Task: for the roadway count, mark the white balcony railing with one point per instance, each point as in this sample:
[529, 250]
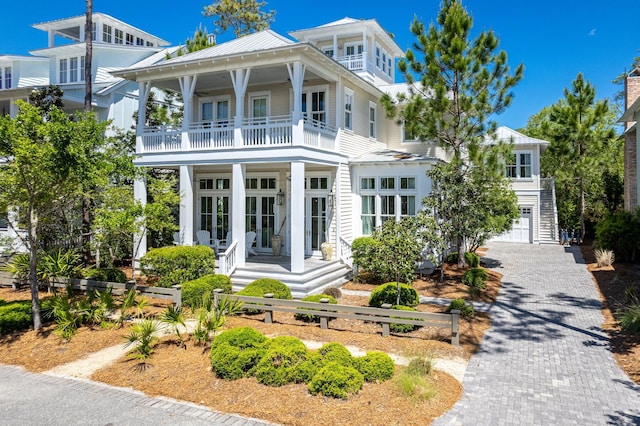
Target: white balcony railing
[262, 132]
[356, 63]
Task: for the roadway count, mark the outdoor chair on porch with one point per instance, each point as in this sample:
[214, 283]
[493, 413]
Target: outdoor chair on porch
[222, 245]
[176, 238]
[204, 237]
[249, 239]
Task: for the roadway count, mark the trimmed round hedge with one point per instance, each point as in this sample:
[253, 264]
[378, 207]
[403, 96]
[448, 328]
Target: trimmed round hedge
[336, 380]
[174, 265]
[192, 291]
[461, 305]
[280, 364]
[375, 366]
[15, 316]
[235, 353]
[475, 277]
[262, 286]
[388, 293]
[313, 298]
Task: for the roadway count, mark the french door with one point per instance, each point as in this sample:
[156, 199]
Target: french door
[261, 218]
[315, 223]
[214, 215]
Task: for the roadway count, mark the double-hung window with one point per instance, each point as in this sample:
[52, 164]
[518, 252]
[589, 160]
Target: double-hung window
[107, 31]
[119, 36]
[129, 39]
[386, 198]
[368, 196]
[372, 120]
[348, 109]
[5, 78]
[519, 165]
[73, 69]
[63, 70]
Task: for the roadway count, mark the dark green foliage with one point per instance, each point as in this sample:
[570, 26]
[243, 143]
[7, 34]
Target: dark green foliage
[375, 366]
[178, 264]
[192, 291]
[262, 286]
[452, 258]
[461, 305]
[388, 293]
[113, 275]
[279, 365]
[336, 381]
[15, 316]
[475, 277]
[314, 298]
[236, 352]
[365, 255]
[472, 259]
[620, 232]
[402, 328]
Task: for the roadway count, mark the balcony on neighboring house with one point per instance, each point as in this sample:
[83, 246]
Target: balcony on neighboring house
[264, 132]
[357, 62]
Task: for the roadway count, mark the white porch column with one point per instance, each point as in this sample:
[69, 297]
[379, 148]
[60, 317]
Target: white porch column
[365, 49]
[187, 87]
[140, 238]
[296, 75]
[238, 206]
[52, 37]
[240, 80]
[144, 87]
[335, 46]
[337, 208]
[186, 205]
[13, 108]
[296, 214]
[81, 33]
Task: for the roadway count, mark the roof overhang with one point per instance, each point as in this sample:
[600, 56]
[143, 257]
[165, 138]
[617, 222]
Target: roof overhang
[629, 114]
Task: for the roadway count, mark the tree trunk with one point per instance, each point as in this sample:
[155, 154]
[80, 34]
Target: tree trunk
[33, 269]
[582, 207]
[461, 250]
[86, 202]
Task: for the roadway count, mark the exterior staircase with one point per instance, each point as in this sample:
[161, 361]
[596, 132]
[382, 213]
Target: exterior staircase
[548, 228]
[316, 277]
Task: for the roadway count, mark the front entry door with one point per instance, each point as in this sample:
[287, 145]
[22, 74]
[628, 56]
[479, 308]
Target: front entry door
[315, 223]
[261, 218]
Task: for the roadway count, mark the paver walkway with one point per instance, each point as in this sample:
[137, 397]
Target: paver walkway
[39, 399]
[545, 360]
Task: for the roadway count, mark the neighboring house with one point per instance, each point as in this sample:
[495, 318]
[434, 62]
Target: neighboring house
[631, 142]
[289, 137]
[116, 45]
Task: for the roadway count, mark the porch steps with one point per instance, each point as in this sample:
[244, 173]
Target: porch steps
[312, 281]
[548, 231]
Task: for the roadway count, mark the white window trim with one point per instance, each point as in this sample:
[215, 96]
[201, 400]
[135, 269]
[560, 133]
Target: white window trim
[81, 71]
[355, 45]
[348, 92]
[396, 193]
[308, 90]
[518, 165]
[214, 100]
[258, 95]
[374, 107]
[3, 77]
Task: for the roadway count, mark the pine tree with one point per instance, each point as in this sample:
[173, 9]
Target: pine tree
[241, 16]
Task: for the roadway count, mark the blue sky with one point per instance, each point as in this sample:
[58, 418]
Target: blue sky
[554, 39]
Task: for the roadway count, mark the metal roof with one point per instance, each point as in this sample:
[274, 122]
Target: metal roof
[391, 156]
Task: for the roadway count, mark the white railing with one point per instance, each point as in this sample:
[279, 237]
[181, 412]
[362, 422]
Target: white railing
[319, 134]
[210, 135]
[161, 138]
[352, 62]
[345, 253]
[267, 131]
[228, 260]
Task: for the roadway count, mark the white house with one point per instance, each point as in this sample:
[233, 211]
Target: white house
[116, 45]
[289, 137]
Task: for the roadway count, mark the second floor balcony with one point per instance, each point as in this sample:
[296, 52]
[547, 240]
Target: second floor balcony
[263, 132]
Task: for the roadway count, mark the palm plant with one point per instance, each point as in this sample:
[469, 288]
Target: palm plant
[212, 316]
[128, 302]
[59, 264]
[174, 318]
[143, 335]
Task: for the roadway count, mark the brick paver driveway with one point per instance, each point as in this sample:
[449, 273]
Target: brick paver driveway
[545, 360]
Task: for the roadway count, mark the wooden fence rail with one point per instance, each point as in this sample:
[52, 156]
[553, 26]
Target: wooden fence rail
[326, 311]
[173, 293]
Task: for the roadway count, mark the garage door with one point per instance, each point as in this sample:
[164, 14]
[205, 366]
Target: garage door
[521, 230]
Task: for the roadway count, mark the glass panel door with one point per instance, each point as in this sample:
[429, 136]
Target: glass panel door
[315, 223]
[267, 222]
[206, 213]
[206, 111]
[222, 217]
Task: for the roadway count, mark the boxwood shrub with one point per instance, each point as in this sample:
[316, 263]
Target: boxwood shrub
[279, 365]
[375, 366]
[235, 353]
[192, 291]
[461, 305]
[403, 328]
[388, 293]
[313, 298]
[15, 316]
[472, 259]
[262, 286]
[475, 277]
[177, 264]
[336, 380]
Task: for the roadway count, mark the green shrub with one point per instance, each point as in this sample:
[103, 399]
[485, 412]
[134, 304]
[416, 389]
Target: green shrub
[415, 380]
[629, 318]
[388, 293]
[336, 352]
[461, 305]
[452, 258]
[279, 365]
[403, 328]
[336, 381]
[472, 259]
[620, 232]
[262, 286]
[313, 298]
[192, 291]
[15, 316]
[365, 255]
[235, 353]
[375, 366]
[113, 275]
[178, 264]
[475, 277]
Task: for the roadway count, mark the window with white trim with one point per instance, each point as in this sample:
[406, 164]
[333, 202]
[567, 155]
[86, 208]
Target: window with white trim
[372, 120]
[348, 109]
[384, 198]
[130, 39]
[353, 49]
[317, 108]
[119, 36]
[94, 31]
[378, 53]
[519, 165]
[5, 78]
[368, 214]
[139, 41]
[389, 66]
[107, 32]
[63, 71]
[71, 70]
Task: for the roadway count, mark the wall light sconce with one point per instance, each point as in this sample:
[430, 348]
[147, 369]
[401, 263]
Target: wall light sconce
[280, 197]
[332, 199]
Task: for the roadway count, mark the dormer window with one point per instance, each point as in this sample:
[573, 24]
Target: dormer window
[129, 39]
[5, 78]
[119, 39]
[107, 31]
[354, 49]
[71, 70]
[139, 41]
